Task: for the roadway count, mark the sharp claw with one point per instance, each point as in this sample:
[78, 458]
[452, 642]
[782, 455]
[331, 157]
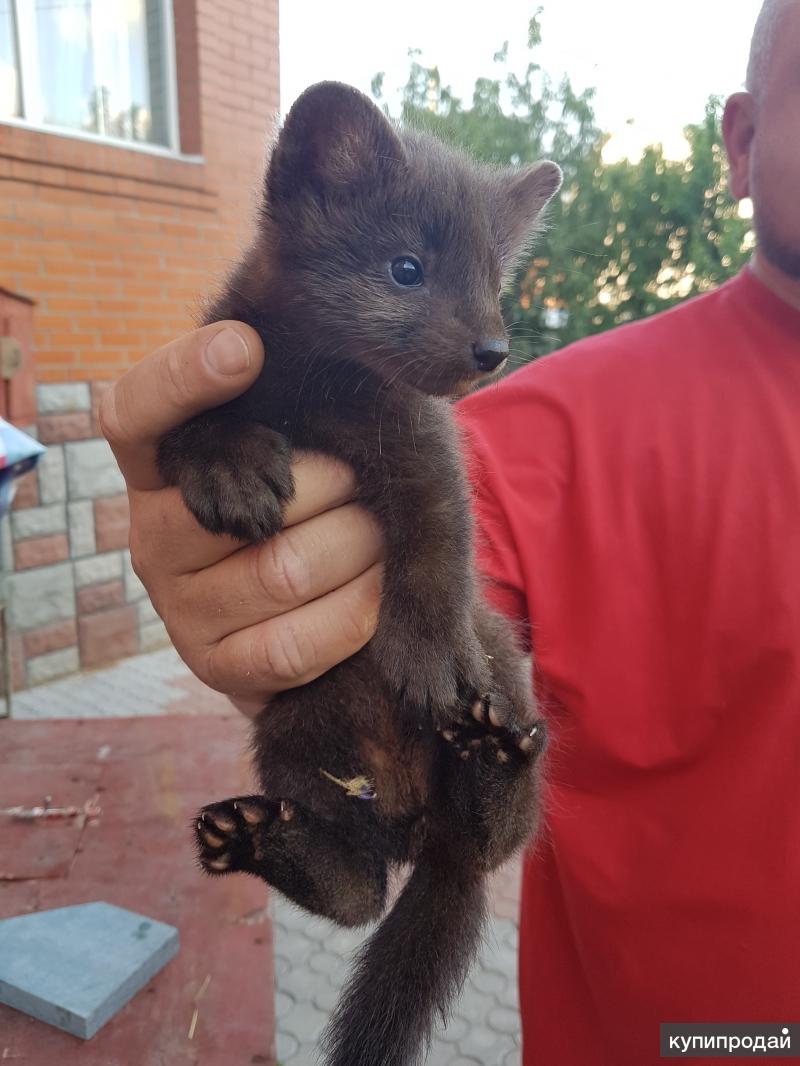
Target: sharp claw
[220, 822]
[528, 742]
[210, 839]
[250, 814]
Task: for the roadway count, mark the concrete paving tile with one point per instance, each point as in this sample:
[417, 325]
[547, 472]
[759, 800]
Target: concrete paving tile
[283, 1003]
[489, 982]
[305, 1056]
[441, 1054]
[297, 948]
[304, 1022]
[456, 1029]
[292, 918]
[504, 1020]
[440, 1051]
[325, 997]
[286, 1046]
[501, 959]
[301, 985]
[508, 934]
[485, 1045]
[473, 1004]
[343, 941]
[328, 965]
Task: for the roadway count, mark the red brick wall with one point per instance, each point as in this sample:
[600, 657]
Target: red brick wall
[116, 246]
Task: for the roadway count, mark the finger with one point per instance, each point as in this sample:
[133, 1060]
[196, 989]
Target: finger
[321, 482]
[167, 539]
[294, 648]
[303, 563]
[198, 371]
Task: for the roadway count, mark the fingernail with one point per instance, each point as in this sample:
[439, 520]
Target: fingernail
[227, 352]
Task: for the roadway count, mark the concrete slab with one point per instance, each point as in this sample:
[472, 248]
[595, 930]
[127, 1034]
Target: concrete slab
[211, 1006]
[74, 967]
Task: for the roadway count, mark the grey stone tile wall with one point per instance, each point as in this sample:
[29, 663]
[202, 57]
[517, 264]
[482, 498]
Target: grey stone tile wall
[98, 568]
[92, 470]
[39, 521]
[51, 475]
[63, 398]
[52, 535]
[80, 515]
[41, 596]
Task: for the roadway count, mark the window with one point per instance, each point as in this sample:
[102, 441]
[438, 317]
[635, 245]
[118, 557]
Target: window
[101, 67]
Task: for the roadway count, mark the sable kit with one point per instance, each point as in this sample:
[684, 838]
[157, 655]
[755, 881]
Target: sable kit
[374, 279]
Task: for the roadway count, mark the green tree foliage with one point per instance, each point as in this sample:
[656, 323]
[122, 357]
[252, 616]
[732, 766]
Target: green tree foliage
[625, 239]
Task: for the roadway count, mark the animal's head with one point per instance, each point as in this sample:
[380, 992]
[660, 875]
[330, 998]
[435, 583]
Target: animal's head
[394, 246]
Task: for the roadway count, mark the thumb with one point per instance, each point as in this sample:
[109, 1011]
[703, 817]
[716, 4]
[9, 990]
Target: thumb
[192, 374]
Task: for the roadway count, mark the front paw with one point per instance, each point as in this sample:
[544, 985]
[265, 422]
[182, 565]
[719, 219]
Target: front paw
[439, 676]
[234, 478]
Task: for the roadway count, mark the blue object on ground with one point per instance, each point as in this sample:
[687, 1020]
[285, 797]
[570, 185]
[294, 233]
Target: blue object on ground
[76, 966]
[19, 453]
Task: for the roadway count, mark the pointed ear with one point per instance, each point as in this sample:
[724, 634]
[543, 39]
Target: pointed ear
[334, 137]
[521, 198]
[738, 130]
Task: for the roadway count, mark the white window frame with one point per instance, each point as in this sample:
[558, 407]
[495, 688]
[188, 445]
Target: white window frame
[23, 13]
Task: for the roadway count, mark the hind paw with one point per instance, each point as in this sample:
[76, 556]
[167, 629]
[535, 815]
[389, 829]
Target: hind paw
[482, 731]
[231, 835]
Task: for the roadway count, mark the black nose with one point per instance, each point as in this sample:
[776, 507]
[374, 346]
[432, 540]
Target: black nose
[490, 354]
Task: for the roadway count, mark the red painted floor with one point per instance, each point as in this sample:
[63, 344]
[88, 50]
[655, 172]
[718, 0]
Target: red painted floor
[150, 775]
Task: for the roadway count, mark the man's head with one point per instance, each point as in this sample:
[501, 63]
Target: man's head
[762, 135]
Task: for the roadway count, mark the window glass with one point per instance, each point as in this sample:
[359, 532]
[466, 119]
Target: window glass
[98, 66]
[64, 64]
[10, 102]
[129, 70]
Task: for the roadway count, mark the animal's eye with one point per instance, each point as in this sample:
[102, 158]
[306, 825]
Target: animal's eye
[407, 271]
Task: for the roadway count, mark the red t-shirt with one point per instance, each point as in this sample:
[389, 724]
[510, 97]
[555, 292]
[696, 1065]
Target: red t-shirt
[638, 499]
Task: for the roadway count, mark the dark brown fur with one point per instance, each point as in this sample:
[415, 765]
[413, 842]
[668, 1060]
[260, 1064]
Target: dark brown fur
[436, 712]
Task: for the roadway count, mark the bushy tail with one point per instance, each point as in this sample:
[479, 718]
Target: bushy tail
[409, 969]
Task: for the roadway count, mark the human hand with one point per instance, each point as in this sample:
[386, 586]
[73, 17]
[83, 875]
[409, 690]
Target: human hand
[249, 620]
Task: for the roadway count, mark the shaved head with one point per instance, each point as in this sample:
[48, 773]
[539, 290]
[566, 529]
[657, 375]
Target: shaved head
[765, 37]
[761, 135]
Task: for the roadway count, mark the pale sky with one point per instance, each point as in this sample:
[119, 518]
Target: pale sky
[652, 61]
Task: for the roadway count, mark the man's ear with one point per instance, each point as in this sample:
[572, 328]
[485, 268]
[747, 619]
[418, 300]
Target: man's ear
[520, 200]
[334, 138]
[738, 127]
